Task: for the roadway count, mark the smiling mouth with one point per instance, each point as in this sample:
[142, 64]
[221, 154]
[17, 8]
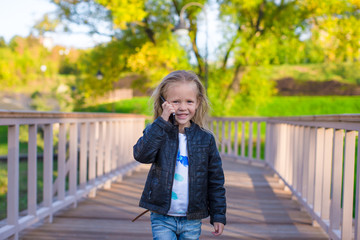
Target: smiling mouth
[181, 116]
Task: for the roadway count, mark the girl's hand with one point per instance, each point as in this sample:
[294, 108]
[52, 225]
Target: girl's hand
[168, 109]
[219, 228]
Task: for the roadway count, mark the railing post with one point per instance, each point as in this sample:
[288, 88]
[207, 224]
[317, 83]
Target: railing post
[328, 146]
[73, 161]
[61, 162]
[306, 142]
[267, 143]
[357, 207]
[250, 143]
[13, 177]
[349, 163]
[301, 160]
[92, 157]
[290, 154]
[83, 154]
[48, 168]
[319, 170]
[122, 142]
[223, 137]
[114, 146]
[100, 150]
[311, 169]
[295, 158]
[242, 139]
[236, 138]
[217, 131]
[275, 145]
[229, 148]
[282, 149]
[107, 162]
[32, 170]
[258, 141]
[337, 169]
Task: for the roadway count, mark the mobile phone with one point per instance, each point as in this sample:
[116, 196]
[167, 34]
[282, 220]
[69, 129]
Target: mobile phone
[172, 116]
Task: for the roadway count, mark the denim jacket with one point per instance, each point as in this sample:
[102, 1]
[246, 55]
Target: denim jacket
[159, 146]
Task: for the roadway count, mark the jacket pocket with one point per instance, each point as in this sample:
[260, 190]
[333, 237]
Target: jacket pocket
[157, 193]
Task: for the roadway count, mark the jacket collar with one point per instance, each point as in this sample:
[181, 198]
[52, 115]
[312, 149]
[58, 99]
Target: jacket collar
[191, 128]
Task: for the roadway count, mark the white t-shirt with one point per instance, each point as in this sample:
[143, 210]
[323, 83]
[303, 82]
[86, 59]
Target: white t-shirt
[180, 189]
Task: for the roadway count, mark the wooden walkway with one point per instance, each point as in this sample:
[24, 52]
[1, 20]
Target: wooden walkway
[258, 208]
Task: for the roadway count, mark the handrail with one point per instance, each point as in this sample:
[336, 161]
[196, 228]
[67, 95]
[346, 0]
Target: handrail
[99, 151]
[313, 155]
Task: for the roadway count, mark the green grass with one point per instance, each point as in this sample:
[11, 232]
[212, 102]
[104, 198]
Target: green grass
[342, 72]
[22, 186]
[23, 140]
[306, 105]
[138, 105]
[3, 140]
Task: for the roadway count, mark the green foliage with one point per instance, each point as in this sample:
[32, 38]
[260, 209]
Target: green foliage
[126, 11]
[249, 89]
[272, 32]
[255, 90]
[156, 61]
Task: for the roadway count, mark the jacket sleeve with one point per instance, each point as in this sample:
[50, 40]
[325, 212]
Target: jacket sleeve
[153, 138]
[216, 190]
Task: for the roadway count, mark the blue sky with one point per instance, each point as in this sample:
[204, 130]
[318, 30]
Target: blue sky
[18, 16]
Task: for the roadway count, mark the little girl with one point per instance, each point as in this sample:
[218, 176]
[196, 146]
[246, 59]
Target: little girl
[186, 180]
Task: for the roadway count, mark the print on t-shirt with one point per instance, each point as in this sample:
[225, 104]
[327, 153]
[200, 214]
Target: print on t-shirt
[180, 194]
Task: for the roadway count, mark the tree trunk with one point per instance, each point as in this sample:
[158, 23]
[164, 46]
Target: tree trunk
[235, 83]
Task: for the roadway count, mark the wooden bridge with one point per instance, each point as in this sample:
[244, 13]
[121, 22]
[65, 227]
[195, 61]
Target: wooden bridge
[286, 178]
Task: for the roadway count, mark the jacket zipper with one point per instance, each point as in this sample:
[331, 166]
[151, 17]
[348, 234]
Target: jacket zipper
[189, 179]
[173, 174]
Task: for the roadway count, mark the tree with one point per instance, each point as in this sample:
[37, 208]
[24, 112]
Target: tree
[256, 33]
[142, 29]
[267, 32]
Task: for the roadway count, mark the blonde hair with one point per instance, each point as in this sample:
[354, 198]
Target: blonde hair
[201, 114]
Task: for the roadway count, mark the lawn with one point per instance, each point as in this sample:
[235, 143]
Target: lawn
[310, 105]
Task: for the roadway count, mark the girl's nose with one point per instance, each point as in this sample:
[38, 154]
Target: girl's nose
[182, 106]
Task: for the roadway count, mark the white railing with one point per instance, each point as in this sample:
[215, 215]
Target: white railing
[240, 138]
[314, 156]
[92, 151]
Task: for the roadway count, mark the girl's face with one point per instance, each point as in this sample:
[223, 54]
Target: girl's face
[183, 97]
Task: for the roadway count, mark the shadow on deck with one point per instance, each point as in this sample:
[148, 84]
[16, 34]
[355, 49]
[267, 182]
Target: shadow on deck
[258, 208]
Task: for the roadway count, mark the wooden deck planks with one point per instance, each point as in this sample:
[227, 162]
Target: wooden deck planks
[258, 208]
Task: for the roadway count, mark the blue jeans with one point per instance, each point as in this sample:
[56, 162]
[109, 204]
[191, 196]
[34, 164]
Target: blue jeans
[174, 228]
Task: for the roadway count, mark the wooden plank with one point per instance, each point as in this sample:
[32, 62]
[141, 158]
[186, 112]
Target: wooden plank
[258, 208]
